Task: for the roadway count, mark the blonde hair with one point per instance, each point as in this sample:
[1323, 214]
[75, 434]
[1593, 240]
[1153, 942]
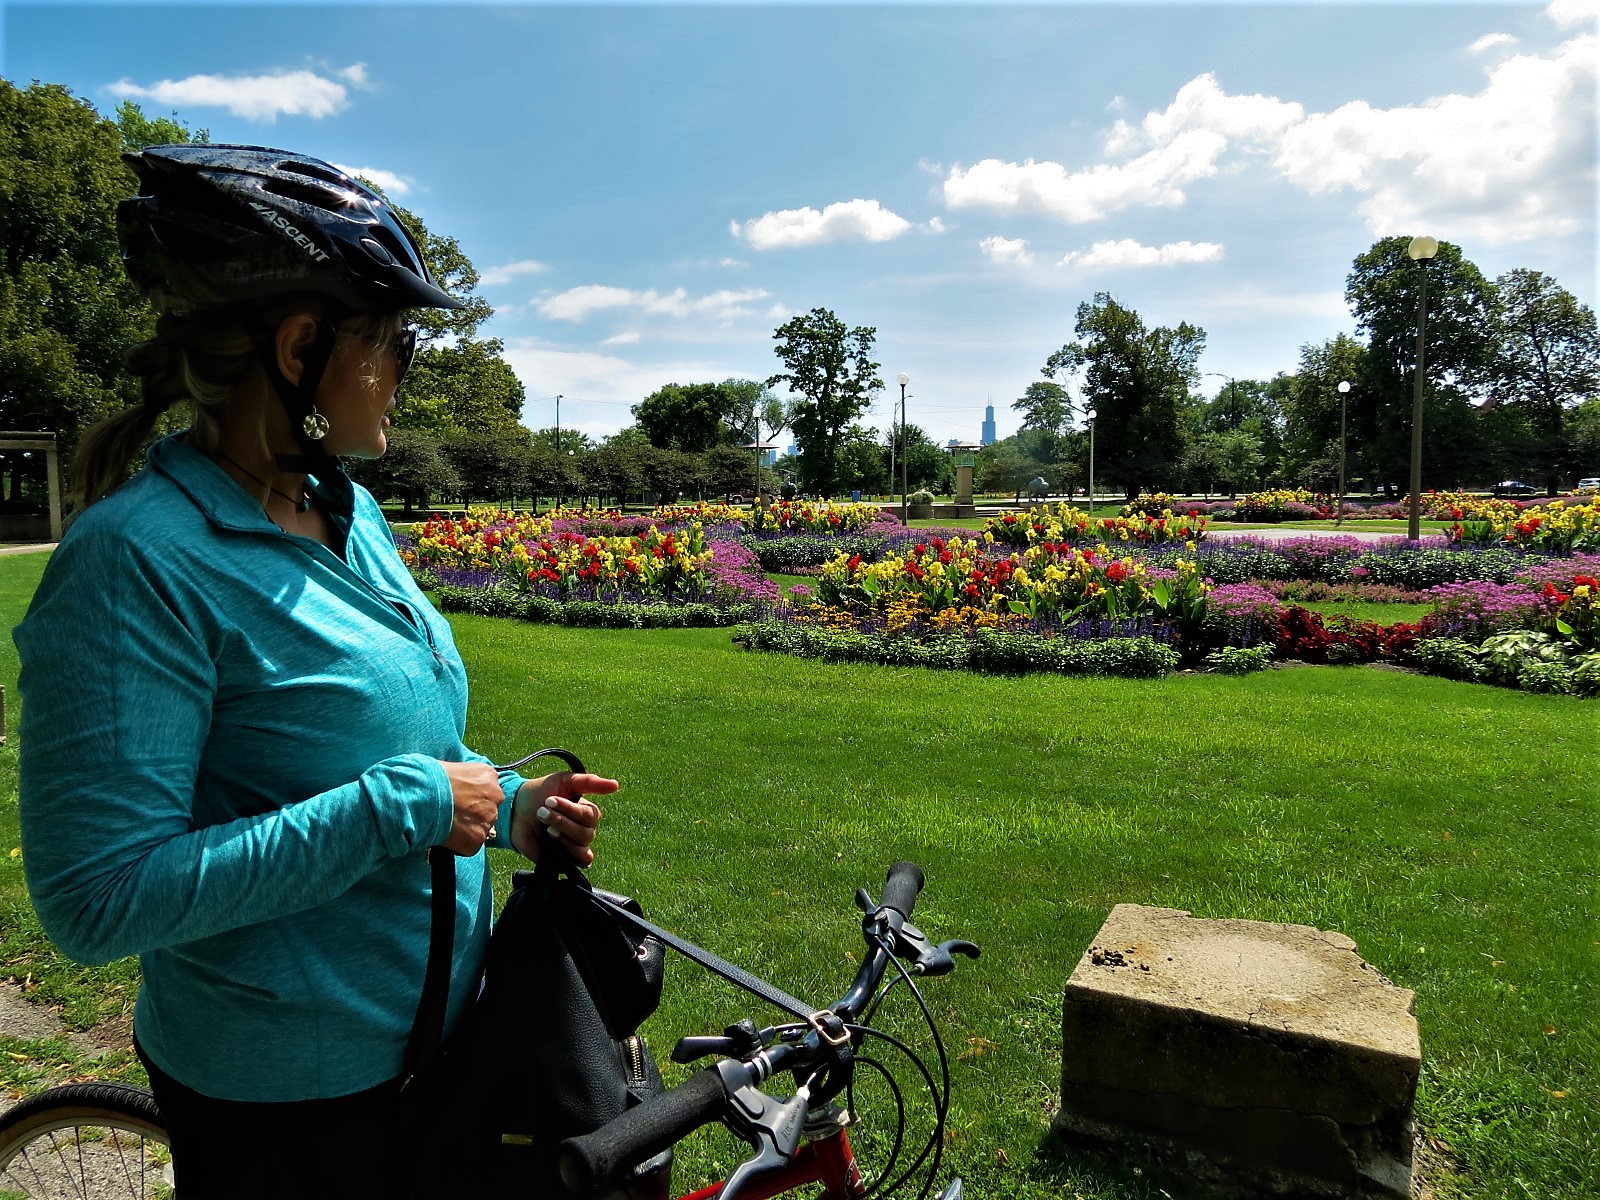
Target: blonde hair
[199, 361]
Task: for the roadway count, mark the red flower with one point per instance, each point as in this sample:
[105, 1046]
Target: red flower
[1116, 572]
[855, 561]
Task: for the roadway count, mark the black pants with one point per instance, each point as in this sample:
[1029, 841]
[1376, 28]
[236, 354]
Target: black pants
[346, 1148]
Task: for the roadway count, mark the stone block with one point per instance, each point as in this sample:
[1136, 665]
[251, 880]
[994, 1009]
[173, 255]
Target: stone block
[1264, 1059]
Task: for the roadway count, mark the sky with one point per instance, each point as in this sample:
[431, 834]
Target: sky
[650, 190]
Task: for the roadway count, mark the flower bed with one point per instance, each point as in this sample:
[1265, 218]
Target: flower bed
[1063, 523]
[1016, 599]
[542, 568]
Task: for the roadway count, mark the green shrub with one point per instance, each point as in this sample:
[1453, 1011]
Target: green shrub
[1550, 677]
[1450, 657]
[1239, 660]
[988, 650]
[591, 614]
[788, 555]
[1586, 674]
[1505, 654]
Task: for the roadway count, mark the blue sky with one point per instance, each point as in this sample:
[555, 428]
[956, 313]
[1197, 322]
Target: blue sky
[651, 190]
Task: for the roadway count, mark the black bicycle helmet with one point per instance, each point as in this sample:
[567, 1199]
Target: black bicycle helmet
[214, 226]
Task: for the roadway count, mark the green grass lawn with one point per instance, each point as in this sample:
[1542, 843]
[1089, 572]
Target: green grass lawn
[1450, 829]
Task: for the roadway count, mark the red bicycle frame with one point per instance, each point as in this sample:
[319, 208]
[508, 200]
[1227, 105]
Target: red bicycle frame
[829, 1161]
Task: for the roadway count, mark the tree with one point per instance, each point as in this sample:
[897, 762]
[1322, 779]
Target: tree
[464, 387]
[830, 367]
[490, 465]
[1137, 380]
[67, 308]
[618, 465]
[413, 467]
[1046, 408]
[139, 131]
[1383, 290]
[688, 417]
[1583, 438]
[1549, 359]
[1311, 407]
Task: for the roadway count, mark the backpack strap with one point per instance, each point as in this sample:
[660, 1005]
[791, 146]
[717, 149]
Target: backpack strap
[427, 1029]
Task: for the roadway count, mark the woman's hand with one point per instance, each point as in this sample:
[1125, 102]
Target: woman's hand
[556, 802]
[475, 789]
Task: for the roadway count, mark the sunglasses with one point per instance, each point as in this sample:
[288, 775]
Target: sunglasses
[404, 345]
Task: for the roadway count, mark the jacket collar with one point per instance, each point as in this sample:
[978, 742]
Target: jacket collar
[223, 501]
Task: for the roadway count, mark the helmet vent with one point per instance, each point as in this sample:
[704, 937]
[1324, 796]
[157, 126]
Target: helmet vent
[317, 171]
[400, 254]
[314, 193]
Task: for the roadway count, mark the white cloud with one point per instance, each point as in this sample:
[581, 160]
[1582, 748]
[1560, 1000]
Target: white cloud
[1569, 14]
[392, 184]
[1006, 250]
[934, 225]
[628, 337]
[252, 97]
[1201, 104]
[506, 272]
[597, 390]
[1489, 41]
[578, 303]
[1126, 252]
[864, 220]
[1511, 163]
[355, 74]
[1154, 179]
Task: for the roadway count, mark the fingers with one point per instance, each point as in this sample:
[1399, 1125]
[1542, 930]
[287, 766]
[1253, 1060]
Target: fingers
[476, 795]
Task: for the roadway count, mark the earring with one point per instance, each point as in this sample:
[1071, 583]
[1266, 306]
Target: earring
[315, 425]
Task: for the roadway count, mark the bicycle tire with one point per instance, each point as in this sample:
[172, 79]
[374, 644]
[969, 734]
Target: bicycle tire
[88, 1141]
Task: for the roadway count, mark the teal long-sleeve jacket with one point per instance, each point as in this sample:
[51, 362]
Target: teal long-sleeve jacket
[230, 766]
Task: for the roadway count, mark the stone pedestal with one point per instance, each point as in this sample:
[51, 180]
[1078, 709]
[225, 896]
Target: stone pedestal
[1264, 1059]
[964, 483]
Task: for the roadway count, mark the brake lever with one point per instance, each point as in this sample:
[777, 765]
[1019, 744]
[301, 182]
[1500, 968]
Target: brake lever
[771, 1128]
[925, 957]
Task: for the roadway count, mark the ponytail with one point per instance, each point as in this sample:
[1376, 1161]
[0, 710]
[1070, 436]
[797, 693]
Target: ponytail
[198, 361]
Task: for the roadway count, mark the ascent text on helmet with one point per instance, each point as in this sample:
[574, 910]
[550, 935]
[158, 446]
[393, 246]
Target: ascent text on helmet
[279, 221]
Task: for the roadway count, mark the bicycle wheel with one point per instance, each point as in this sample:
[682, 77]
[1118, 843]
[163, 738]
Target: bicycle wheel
[87, 1141]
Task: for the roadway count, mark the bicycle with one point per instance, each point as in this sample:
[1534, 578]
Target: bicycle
[107, 1140]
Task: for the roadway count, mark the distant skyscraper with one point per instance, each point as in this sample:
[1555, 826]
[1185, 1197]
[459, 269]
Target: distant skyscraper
[988, 438]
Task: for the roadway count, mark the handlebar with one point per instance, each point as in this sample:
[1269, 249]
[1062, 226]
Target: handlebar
[588, 1162]
[730, 1090]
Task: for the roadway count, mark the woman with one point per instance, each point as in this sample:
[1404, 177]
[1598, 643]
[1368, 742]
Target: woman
[242, 724]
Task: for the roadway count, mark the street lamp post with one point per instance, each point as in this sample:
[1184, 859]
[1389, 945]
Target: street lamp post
[905, 510]
[1344, 396]
[1421, 250]
[1089, 416]
[558, 424]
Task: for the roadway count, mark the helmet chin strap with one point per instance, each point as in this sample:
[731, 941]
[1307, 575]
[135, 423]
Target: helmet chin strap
[299, 399]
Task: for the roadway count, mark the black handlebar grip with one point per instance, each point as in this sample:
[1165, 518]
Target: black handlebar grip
[901, 887]
[592, 1160]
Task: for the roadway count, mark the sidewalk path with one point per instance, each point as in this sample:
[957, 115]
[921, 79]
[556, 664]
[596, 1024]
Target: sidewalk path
[29, 548]
[1284, 533]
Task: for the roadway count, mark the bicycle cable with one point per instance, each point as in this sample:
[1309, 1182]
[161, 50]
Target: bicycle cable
[932, 1144]
[893, 1158]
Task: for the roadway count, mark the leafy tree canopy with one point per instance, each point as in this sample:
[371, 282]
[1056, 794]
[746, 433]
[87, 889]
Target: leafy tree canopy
[1137, 380]
[830, 369]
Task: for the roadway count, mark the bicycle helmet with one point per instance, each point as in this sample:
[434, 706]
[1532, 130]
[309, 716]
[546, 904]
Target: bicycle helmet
[216, 225]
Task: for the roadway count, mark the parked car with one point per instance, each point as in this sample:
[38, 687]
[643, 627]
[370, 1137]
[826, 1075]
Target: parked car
[1515, 487]
[1591, 484]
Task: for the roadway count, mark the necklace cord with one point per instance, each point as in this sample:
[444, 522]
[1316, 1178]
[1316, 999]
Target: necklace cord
[300, 505]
